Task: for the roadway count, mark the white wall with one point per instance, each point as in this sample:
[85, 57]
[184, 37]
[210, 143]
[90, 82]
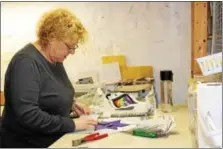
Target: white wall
[147, 33]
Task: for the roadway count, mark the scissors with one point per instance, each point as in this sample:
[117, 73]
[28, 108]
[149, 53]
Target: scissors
[91, 137]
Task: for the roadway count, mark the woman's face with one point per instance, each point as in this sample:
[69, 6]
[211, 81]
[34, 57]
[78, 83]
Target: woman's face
[61, 49]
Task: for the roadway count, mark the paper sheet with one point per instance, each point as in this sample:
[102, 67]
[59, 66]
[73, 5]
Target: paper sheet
[110, 73]
[210, 64]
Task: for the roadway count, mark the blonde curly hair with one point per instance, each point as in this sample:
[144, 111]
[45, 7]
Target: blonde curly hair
[59, 24]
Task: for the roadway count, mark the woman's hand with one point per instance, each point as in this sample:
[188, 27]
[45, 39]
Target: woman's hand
[83, 123]
[81, 109]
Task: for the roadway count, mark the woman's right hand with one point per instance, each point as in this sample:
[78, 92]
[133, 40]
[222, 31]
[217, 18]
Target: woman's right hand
[83, 123]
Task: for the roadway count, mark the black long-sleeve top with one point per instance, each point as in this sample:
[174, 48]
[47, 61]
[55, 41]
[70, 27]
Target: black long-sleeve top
[38, 101]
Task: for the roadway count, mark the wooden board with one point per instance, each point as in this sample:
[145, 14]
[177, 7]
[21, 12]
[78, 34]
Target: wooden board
[199, 34]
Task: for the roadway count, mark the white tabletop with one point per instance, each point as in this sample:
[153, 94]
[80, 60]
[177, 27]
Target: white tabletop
[180, 137]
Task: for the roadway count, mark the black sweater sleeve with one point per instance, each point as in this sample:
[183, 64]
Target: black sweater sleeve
[25, 80]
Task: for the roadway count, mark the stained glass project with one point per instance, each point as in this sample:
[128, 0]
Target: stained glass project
[123, 101]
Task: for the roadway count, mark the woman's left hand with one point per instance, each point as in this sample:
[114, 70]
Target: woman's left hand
[81, 109]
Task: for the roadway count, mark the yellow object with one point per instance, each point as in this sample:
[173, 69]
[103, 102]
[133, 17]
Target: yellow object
[111, 59]
[135, 72]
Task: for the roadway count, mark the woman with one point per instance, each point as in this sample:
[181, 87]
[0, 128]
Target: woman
[38, 92]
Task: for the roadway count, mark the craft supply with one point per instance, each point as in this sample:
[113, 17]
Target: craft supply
[126, 129]
[120, 100]
[119, 114]
[110, 125]
[129, 114]
[144, 133]
[91, 137]
[126, 108]
[161, 125]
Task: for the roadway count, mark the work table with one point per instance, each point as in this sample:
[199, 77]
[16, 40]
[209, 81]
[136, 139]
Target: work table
[179, 138]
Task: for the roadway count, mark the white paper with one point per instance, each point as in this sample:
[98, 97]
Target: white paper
[210, 64]
[110, 73]
[162, 124]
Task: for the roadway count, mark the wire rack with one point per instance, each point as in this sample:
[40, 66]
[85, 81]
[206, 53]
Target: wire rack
[217, 27]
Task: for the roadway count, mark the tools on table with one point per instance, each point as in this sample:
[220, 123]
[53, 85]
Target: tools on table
[110, 125]
[144, 133]
[91, 137]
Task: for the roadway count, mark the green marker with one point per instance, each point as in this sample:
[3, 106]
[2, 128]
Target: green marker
[144, 133]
